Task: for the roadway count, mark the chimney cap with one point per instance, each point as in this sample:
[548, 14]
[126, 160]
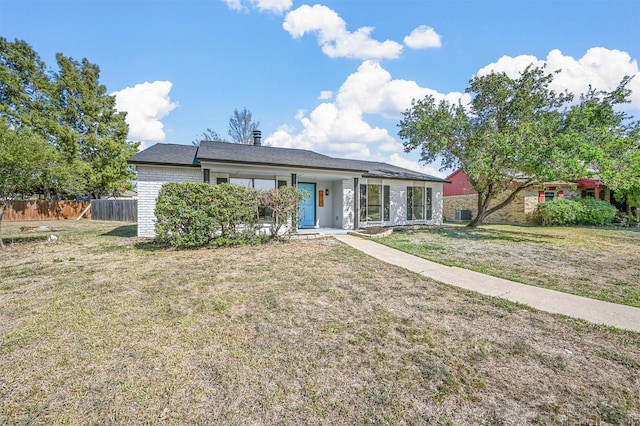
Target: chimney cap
[257, 137]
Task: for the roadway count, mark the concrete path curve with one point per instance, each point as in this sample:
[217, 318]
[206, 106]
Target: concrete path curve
[596, 311]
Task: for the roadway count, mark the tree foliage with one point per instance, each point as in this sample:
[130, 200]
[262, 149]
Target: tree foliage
[514, 134]
[609, 139]
[72, 112]
[283, 203]
[22, 170]
[208, 135]
[241, 126]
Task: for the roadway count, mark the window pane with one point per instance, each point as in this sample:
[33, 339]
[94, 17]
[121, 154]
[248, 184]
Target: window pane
[374, 196]
[418, 203]
[363, 202]
[263, 184]
[242, 182]
[374, 213]
[374, 202]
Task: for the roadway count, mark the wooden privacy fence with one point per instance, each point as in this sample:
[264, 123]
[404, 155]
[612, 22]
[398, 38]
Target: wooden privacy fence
[121, 210]
[21, 210]
[118, 210]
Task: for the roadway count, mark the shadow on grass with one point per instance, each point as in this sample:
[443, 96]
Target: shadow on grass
[480, 234]
[33, 238]
[153, 245]
[126, 231]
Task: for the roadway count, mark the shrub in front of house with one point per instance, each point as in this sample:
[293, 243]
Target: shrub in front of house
[282, 204]
[199, 214]
[595, 212]
[586, 211]
[559, 212]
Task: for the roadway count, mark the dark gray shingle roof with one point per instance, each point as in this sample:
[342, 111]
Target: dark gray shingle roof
[225, 152]
[389, 171]
[170, 154]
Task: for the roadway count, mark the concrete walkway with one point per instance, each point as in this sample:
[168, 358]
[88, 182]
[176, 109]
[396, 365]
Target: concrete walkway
[596, 311]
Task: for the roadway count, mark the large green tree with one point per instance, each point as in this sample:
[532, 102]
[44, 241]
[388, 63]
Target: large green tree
[241, 126]
[27, 161]
[514, 134]
[609, 140]
[25, 87]
[72, 111]
[90, 130]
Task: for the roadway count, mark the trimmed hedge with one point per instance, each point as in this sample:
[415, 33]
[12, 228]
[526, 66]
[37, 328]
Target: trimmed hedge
[199, 214]
[586, 211]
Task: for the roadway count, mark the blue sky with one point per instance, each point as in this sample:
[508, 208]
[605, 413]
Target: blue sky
[332, 76]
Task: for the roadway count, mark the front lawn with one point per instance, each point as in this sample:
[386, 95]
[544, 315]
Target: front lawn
[600, 263]
[101, 327]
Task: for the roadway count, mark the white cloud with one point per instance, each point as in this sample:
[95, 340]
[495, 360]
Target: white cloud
[333, 37]
[399, 161]
[146, 104]
[423, 37]
[373, 88]
[340, 128]
[601, 68]
[274, 6]
[325, 94]
[235, 5]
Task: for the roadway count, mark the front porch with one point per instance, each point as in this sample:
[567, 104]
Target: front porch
[321, 231]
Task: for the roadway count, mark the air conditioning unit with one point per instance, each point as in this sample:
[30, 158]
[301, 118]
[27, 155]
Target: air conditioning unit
[463, 214]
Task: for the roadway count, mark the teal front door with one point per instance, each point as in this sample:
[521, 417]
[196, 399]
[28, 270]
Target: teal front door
[307, 207]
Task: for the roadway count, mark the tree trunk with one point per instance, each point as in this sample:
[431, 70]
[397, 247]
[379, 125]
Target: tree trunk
[483, 204]
[3, 207]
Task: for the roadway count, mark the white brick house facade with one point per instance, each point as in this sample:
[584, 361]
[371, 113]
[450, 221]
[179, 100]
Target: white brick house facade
[346, 194]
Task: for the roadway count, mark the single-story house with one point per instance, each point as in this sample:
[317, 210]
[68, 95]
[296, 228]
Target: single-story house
[461, 200]
[345, 194]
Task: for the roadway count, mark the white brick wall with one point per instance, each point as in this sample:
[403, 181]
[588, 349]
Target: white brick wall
[150, 179]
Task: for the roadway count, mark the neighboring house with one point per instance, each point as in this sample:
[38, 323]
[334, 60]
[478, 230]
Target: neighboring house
[461, 200]
[380, 193]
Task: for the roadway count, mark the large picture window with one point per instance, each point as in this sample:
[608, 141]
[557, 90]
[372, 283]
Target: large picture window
[419, 203]
[261, 184]
[374, 203]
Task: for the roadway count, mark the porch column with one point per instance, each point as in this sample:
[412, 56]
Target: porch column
[294, 183]
[356, 210]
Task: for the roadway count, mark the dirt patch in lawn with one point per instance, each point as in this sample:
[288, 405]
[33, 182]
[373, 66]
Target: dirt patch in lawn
[100, 327]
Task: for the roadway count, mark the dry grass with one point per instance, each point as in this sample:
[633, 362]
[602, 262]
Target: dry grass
[102, 328]
[600, 263]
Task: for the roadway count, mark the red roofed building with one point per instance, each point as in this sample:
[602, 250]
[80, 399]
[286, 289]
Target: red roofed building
[461, 200]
